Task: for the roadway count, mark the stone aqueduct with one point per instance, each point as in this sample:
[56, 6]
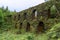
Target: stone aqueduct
[37, 18]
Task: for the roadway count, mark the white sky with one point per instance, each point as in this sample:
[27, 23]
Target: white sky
[19, 5]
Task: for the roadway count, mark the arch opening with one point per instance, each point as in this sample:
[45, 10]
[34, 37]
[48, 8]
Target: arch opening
[25, 16]
[28, 27]
[20, 26]
[14, 17]
[40, 27]
[18, 17]
[34, 14]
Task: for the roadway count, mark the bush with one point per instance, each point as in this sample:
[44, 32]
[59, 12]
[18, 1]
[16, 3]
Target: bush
[53, 11]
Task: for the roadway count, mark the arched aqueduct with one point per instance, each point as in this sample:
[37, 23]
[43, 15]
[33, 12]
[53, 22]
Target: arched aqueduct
[37, 18]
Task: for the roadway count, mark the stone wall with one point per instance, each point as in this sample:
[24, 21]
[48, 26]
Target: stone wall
[30, 19]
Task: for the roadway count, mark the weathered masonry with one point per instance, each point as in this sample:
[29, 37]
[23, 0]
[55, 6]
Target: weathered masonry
[37, 18]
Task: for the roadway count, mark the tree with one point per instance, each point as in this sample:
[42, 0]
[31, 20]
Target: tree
[1, 18]
[53, 11]
[7, 8]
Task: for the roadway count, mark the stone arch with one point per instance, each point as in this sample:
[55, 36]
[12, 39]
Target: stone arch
[20, 26]
[34, 13]
[40, 27]
[34, 10]
[25, 15]
[16, 25]
[14, 17]
[28, 27]
[19, 17]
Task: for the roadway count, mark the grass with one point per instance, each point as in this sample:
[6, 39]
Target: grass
[26, 36]
[50, 35]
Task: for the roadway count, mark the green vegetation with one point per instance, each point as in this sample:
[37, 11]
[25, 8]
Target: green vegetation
[10, 23]
[52, 34]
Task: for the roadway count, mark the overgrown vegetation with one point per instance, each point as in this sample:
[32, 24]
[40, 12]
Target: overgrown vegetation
[13, 25]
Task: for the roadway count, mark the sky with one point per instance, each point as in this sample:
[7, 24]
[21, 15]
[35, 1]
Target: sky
[19, 5]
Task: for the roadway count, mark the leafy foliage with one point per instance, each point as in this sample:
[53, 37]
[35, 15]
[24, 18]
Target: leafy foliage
[7, 23]
[53, 11]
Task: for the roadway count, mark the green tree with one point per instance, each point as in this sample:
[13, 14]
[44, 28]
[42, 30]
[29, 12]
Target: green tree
[53, 11]
[1, 17]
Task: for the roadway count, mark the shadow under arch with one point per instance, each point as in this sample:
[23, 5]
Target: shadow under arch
[25, 15]
[20, 26]
[19, 17]
[40, 27]
[34, 10]
[28, 27]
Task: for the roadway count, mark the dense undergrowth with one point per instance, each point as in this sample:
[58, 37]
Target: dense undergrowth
[52, 34]
[9, 32]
